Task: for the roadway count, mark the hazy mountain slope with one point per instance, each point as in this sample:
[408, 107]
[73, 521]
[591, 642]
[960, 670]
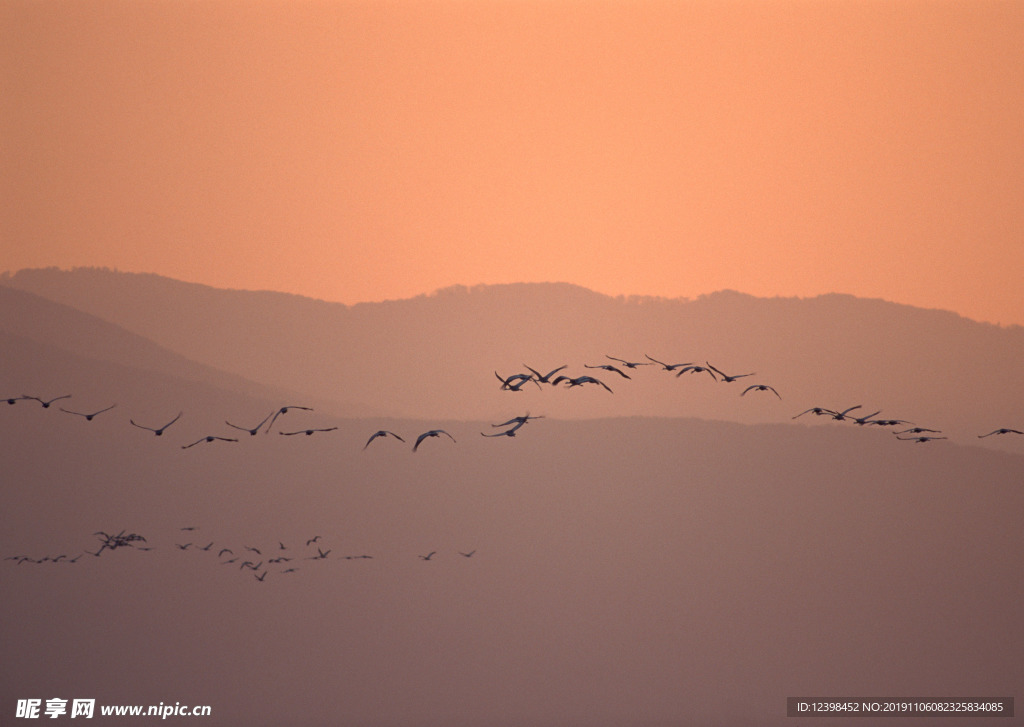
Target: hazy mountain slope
[687, 557]
[435, 355]
[64, 335]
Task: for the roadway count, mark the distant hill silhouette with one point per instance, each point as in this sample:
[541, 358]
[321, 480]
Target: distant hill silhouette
[50, 344]
[435, 355]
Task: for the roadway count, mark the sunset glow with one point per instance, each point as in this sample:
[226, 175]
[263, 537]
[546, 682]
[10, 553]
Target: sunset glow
[364, 151]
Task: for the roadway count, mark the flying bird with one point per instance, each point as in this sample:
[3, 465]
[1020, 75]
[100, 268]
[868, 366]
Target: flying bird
[14, 399]
[918, 430]
[840, 416]
[160, 431]
[520, 380]
[312, 540]
[761, 387]
[519, 420]
[428, 556]
[727, 378]
[919, 439]
[608, 367]
[431, 433]
[668, 367]
[381, 433]
[284, 410]
[866, 419]
[816, 410]
[88, 417]
[209, 438]
[579, 381]
[46, 404]
[467, 555]
[1000, 431]
[546, 378]
[254, 429]
[629, 364]
[308, 432]
[695, 369]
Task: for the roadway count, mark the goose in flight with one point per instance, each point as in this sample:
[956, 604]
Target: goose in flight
[840, 416]
[507, 433]
[88, 417]
[284, 410]
[519, 420]
[428, 556]
[431, 433]
[919, 439]
[629, 364]
[694, 369]
[46, 404]
[729, 379]
[762, 387]
[209, 438]
[816, 410]
[579, 381]
[515, 382]
[669, 367]
[467, 555]
[312, 540]
[381, 433]
[308, 432]
[867, 419]
[608, 367]
[546, 378]
[254, 429]
[160, 431]
[1000, 431]
[888, 422]
[919, 430]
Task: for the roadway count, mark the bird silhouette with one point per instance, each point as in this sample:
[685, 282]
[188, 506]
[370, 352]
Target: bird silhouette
[1000, 431]
[255, 429]
[160, 431]
[515, 382]
[629, 364]
[579, 381]
[919, 439]
[608, 367]
[46, 404]
[381, 433]
[284, 410]
[546, 378]
[88, 417]
[209, 438]
[467, 555]
[816, 410]
[312, 540]
[760, 387]
[519, 420]
[431, 433]
[668, 367]
[695, 369]
[727, 378]
[918, 430]
[428, 556]
[308, 432]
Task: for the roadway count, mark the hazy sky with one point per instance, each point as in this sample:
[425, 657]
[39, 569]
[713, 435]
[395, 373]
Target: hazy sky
[370, 150]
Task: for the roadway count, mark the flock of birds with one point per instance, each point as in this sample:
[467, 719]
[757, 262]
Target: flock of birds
[516, 383]
[259, 561]
[281, 559]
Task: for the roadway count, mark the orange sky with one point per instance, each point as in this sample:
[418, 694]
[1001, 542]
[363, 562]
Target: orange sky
[368, 150]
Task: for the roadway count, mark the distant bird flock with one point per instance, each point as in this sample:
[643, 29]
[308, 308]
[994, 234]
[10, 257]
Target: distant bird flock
[288, 559]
